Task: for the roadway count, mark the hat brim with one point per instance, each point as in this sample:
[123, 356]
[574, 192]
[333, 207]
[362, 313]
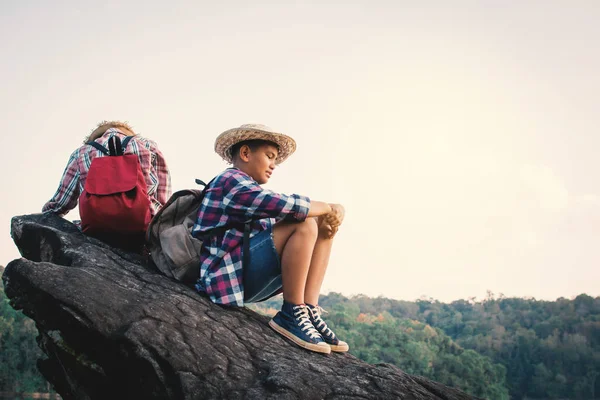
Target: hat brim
[225, 140]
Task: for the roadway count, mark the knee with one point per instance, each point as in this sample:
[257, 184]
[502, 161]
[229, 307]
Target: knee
[308, 228]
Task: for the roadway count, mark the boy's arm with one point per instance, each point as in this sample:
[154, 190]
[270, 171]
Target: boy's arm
[248, 200]
[65, 198]
[159, 165]
[318, 208]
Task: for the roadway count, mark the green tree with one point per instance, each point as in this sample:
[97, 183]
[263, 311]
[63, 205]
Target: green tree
[535, 341]
[18, 351]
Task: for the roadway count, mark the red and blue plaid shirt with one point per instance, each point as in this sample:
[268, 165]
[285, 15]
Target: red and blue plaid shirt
[154, 167]
[233, 198]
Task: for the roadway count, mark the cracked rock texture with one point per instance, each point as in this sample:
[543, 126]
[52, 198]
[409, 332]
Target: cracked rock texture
[112, 328]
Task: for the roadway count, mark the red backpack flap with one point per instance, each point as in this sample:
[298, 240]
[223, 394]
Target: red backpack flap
[115, 197]
[110, 175]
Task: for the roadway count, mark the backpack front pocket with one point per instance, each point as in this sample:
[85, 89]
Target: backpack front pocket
[182, 250]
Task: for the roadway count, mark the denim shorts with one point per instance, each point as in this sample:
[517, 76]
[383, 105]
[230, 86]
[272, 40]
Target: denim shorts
[262, 277]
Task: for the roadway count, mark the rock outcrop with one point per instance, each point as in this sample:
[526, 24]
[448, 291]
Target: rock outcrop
[112, 328]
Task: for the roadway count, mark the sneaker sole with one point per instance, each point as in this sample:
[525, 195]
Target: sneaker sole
[306, 345]
[339, 349]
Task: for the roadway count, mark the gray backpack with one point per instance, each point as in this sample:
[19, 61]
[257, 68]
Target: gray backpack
[171, 246]
[173, 249]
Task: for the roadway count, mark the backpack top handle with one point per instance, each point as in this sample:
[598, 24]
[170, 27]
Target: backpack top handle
[115, 145]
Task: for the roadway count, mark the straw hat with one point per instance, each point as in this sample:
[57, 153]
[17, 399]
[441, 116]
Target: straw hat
[225, 140]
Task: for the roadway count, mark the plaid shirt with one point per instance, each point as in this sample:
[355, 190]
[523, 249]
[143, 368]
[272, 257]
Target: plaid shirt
[232, 199]
[154, 168]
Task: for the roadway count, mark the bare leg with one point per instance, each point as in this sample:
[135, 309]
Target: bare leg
[304, 250]
[318, 266]
[295, 243]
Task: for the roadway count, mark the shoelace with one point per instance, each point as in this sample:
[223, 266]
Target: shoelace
[301, 315]
[321, 325]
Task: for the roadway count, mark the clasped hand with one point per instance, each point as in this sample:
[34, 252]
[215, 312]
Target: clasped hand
[330, 223]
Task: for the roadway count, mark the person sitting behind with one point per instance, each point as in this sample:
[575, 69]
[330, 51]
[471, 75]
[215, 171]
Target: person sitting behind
[151, 160]
[290, 241]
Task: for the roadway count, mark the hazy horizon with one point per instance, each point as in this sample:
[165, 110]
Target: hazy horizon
[461, 138]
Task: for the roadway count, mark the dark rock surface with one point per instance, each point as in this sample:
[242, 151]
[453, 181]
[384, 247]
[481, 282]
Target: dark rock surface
[114, 329]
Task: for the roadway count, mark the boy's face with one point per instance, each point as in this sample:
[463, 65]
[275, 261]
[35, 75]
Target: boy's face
[260, 162]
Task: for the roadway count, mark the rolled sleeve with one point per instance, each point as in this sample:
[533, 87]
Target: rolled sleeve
[248, 200]
[301, 207]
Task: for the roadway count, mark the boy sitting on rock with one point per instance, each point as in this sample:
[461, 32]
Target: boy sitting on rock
[290, 238]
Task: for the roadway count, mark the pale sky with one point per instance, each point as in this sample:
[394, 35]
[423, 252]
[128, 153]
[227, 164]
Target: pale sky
[461, 136]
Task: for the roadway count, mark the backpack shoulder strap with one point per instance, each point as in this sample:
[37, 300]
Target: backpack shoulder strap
[206, 185]
[98, 146]
[246, 245]
[126, 141]
[247, 228]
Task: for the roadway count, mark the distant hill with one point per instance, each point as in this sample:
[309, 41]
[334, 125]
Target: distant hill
[493, 348]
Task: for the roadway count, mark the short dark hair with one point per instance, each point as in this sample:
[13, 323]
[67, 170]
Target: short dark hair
[254, 144]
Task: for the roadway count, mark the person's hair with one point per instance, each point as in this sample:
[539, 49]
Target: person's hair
[103, 126]
[254, 144]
